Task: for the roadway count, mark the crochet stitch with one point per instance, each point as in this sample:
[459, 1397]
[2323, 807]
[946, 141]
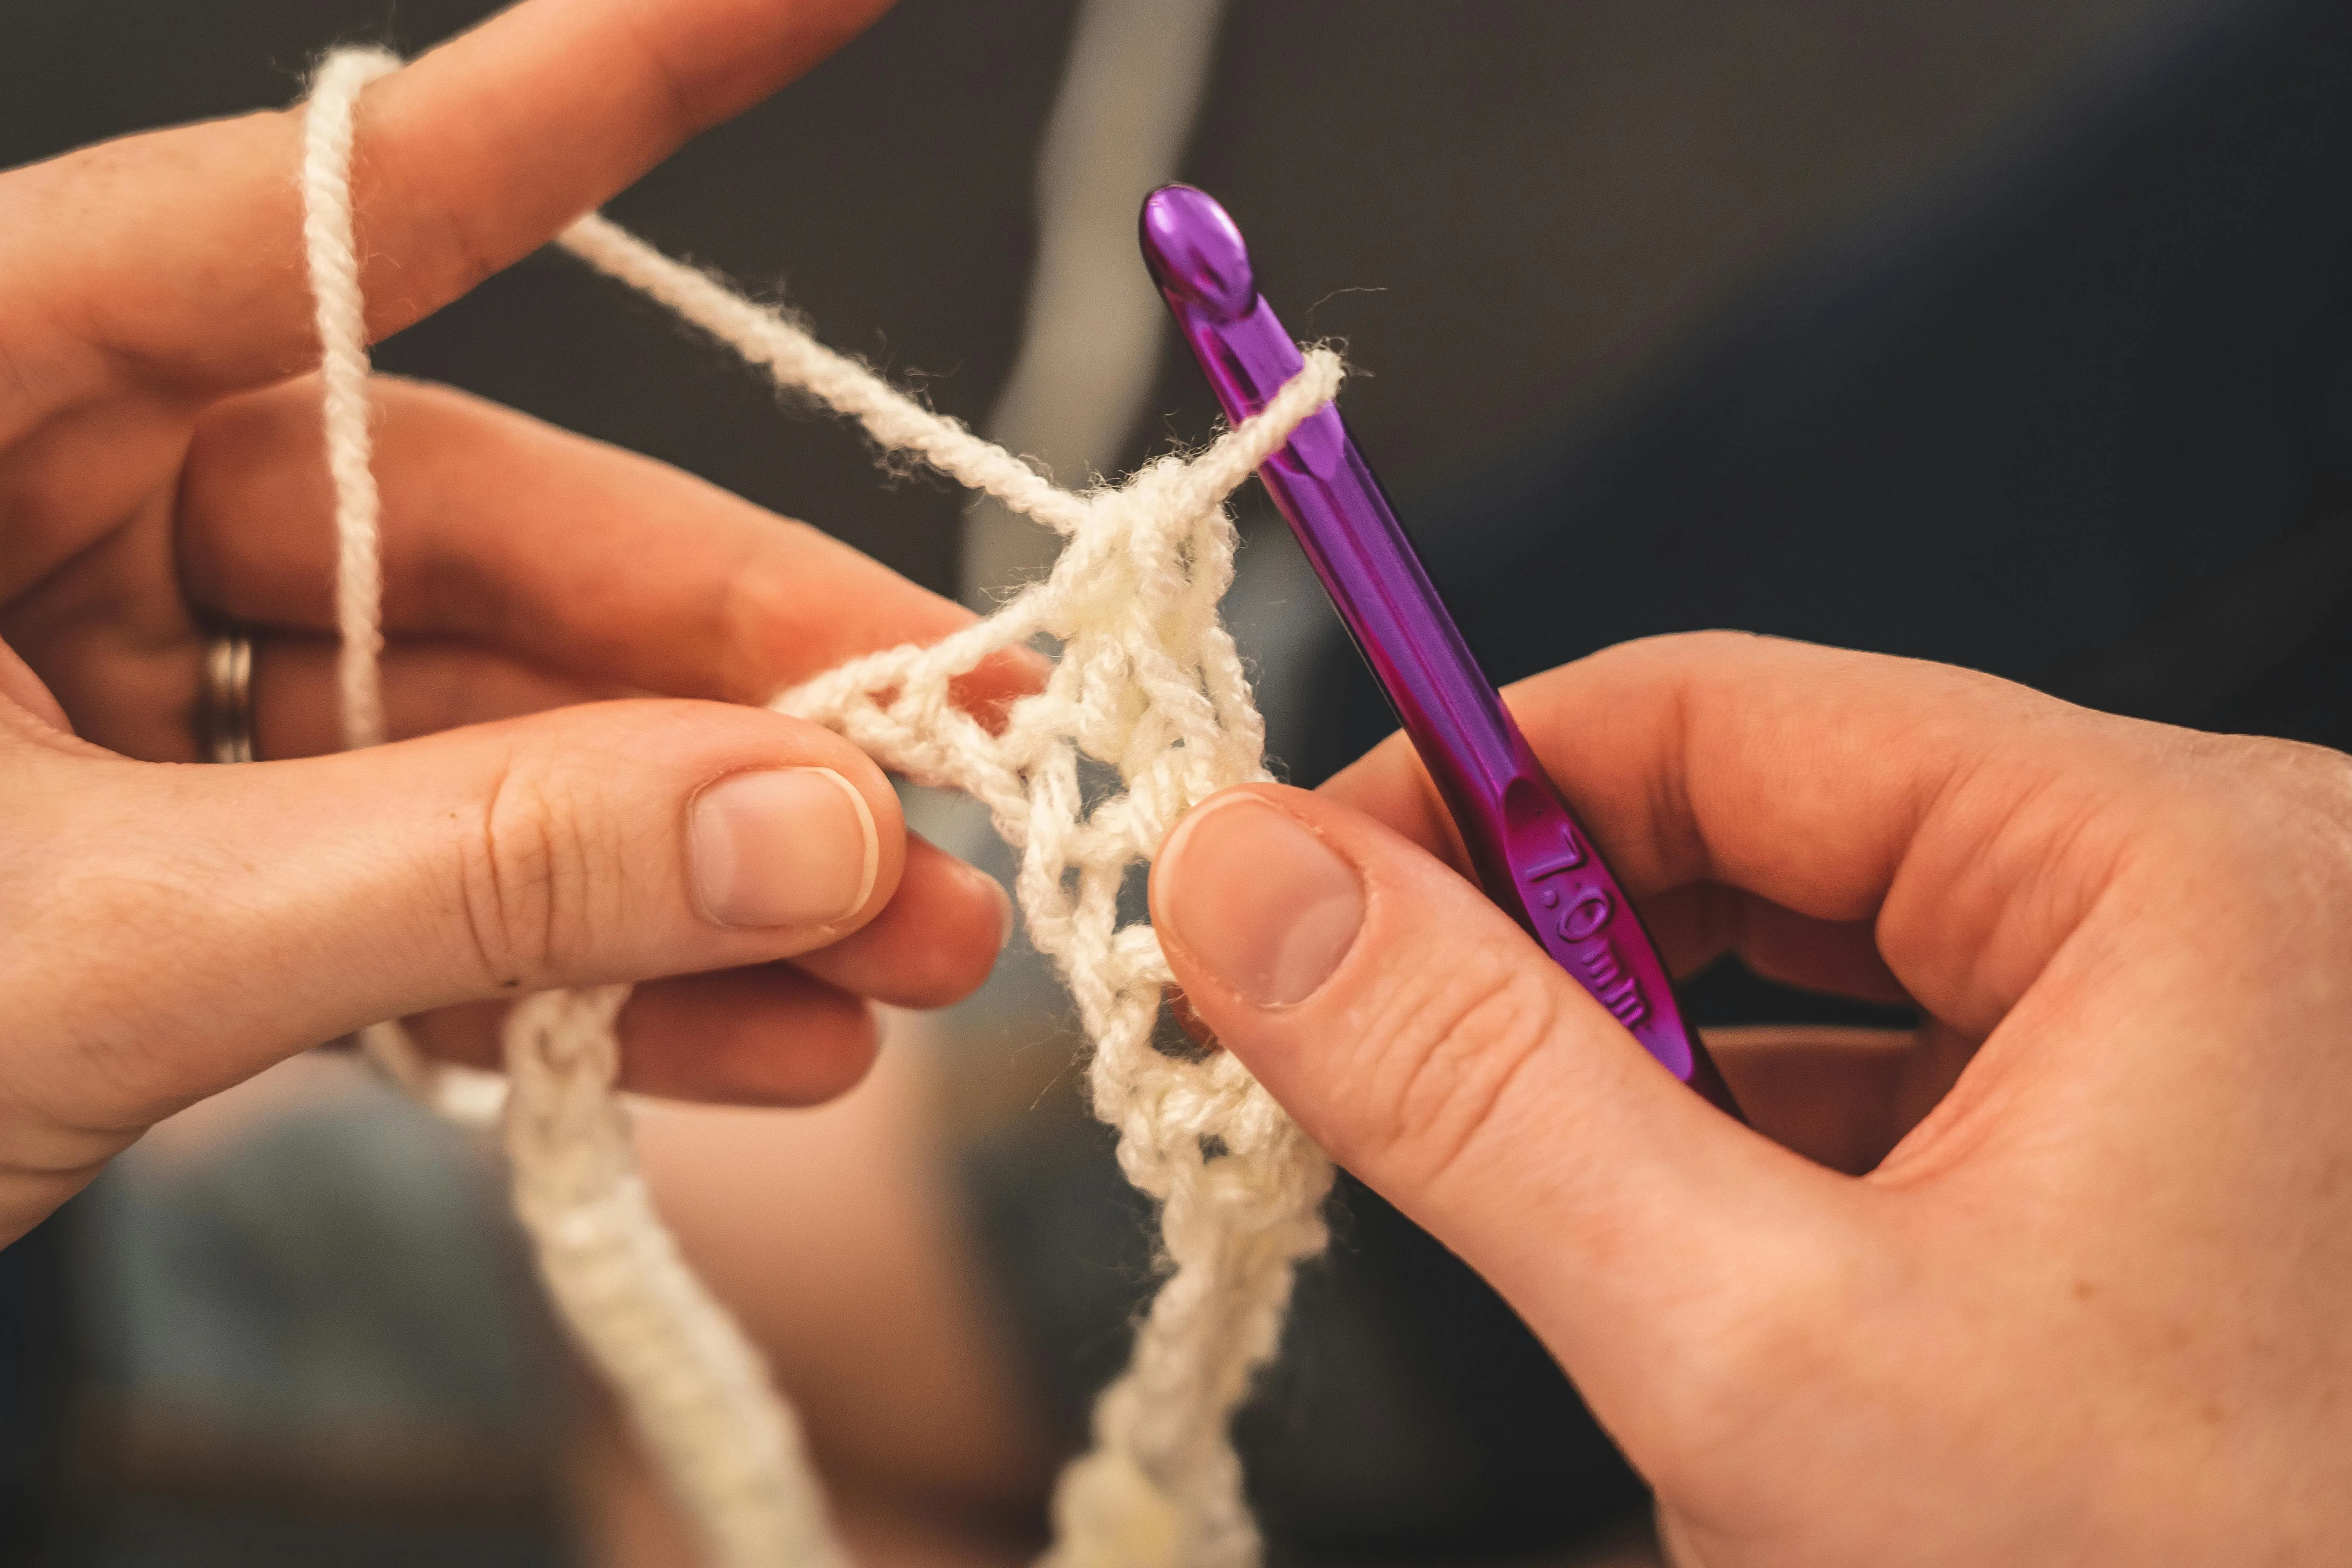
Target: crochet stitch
[1149, 688]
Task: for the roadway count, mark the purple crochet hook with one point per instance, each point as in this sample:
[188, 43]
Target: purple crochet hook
[1531, 857]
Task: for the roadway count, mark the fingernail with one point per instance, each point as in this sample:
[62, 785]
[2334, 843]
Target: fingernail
[995, 891]
[1264, 902]
[783, 846]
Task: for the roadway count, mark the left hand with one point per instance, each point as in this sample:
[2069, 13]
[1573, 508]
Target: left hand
[164, 931]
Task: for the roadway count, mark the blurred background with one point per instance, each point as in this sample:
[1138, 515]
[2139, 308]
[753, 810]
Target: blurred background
[2016, 334]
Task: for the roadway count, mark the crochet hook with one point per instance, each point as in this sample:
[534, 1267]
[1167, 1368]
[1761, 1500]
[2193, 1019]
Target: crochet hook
[1530, 854]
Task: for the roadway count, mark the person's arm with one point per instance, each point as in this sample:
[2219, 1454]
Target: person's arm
[2088, 1303]
[166, 931]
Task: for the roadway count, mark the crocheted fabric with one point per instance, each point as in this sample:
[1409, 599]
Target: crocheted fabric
[1148, 688]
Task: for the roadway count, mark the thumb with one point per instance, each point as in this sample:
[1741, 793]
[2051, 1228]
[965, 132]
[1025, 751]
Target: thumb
[195, 924]
[1435, 1052]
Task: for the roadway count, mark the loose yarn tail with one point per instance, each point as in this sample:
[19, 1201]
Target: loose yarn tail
[1148, 684]
[694, 1387]
[340, 311]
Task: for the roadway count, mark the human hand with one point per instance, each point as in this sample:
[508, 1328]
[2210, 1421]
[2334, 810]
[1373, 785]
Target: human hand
[2087, 1305]
[166, 931]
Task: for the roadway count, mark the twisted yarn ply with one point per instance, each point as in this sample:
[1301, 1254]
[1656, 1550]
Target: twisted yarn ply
[1149, 689]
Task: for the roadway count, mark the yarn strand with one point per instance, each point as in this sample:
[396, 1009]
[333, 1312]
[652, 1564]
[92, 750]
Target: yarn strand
[333, 253]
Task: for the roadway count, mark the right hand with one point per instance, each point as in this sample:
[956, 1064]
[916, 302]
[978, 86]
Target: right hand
[2089, 1302]
[166, 931]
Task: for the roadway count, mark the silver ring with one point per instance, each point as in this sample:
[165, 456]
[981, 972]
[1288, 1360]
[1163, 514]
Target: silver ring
[225, 708]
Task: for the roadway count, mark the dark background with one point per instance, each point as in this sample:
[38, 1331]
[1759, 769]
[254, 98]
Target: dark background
[1541, 203]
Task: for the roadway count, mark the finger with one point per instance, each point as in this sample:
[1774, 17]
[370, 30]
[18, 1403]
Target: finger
[427, 687]
[219, 919]
[1693, 923]
[1843, 1098]
[769, 1034]
[466, 161]
[1698, 923]
[1970, 822]
[509, 533]
[1436, 1053]
[151, 704]
[28, 693]
[787, 1034]
[932, 945]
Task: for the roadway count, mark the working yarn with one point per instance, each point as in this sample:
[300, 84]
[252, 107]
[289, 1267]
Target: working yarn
[1148, 686]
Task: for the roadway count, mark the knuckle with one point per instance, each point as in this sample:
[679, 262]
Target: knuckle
[1452, 1037]
[2245, 804]
[525, 886]
[687, 101]
[2317, 777]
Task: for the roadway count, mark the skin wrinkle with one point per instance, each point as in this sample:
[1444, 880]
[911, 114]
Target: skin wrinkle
[1997, 1095]
[19, 402]
[1690, 857]
[1463, 1043]
[1969, 988]
[41, 476]
[571, 923]
[1953, 1130]
[744, 605]
[686, 117]
[188, 159]
[460, 255]
[32, 399]
[1864, 896]
[484, 890]
[2052, 822]
[1610, 1235]
[100, 915]
[446, 249]
[1939, 807]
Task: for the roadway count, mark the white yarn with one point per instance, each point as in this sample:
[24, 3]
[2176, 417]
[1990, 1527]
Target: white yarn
[1092, 327]
[1147, 686]
[339, 312]
[694, 1386]
[341, 315]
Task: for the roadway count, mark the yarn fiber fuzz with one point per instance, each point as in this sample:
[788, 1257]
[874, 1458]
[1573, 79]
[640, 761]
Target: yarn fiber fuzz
[1149, 689]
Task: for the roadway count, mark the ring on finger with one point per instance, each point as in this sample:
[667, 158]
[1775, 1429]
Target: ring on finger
[225, 702]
